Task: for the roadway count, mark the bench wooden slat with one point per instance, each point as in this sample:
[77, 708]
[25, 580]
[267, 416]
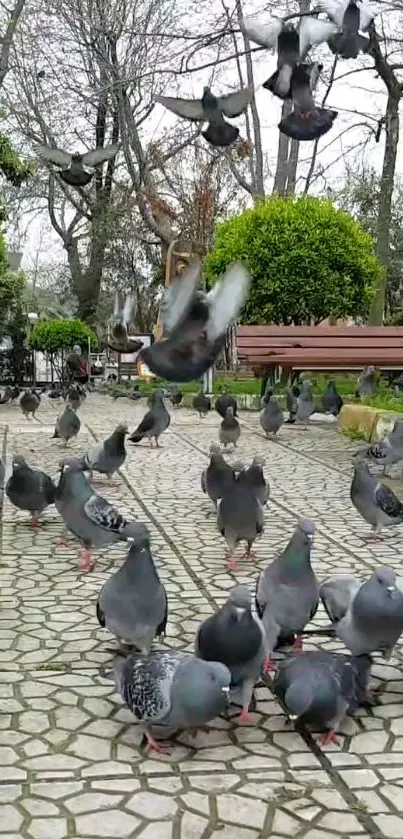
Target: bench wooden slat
[305, 355]
[325, 331]
[251, 343]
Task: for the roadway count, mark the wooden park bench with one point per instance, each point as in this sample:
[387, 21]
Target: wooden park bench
[297, 348]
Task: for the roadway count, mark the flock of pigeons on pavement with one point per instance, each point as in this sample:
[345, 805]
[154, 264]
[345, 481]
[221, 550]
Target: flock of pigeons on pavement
[170, 691]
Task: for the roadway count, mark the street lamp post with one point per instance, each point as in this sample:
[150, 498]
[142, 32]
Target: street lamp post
[33, 318]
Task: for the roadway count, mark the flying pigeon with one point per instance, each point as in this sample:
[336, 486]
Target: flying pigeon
[305, 403]
[236, 637]
[225, 400]
[29, 403]
[320, 688]
[107, 457]
[265, 34]
[202, 404]
[347, 15]
[287, 57]
[73, 165]
[367, 384]
[291, 396]
[253, 478]
[195, 323]
[168, 691]
[133, 603]
[271, 415]
[239, 517]
[306, 121]
[212, 109]
[218, 479]
[287, 593]
[154, 423]
[230, 430]
[30, 489]
[331, 400]
[123, 314]
[67, 425]
[374, 501]
[90, 517]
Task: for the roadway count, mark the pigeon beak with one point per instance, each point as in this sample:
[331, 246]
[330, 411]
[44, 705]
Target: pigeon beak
[399, 584]
[239, 612]
[309, 537]
[293, 717]
[225, 691]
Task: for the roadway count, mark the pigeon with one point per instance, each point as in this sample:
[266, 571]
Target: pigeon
[30, 489]
[331, 400]
[133, 603]
[337, 593]
[123, 314]
[395, 437]
[55, 392]
[7, 396]
[73, 166]
[253, 478]
[236, 637]
[239, 517]
[15, 392]
[291, 396]
[29, 403]
[366, 384]
[2, 475]
[320, 688]
[202, 404]
[265, 34]
[287, 57]
[73, 397]
[271, 415]
[154, 423]
[347, 42]
[313, 32]
[218, 479]
[110, 455]
[136, 394]
[195, 323]
[225, 400]
[169, 690]
[230, 430]
[383, 453]
[307, 121]
[90, 517]
[287, 592]
[212, 109]
[305, 403]
[67, 425]
[374, 501]
[176, 397]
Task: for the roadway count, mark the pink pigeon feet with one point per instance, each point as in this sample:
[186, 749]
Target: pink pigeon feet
[34, 522]
[160, 746]
[297, 645]
[244, 717]
[268, 666]
[249, 554]
[62, 542]
[232, 563]
[329, 737]
[86, 561]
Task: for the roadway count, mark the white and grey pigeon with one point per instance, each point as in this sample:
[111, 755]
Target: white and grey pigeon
[122, 316]
[29, 403]
[239, 518]
[236, 637]
[374, 501]
[67, 425]
[230, 430]
[195, 323]
[287, 592]
[109, 456]
[367, 384]
[307, 121]
[133, 603]
[154, 422]
[320, 688]
[347, 42]
[212, 109]
[288, 55]
[218, 479]
[168, 691]
[90, 517]
[30, 489]
[305, 403]
[271, 415]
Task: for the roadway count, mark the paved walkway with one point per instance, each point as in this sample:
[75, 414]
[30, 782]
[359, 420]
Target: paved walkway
[69, 758]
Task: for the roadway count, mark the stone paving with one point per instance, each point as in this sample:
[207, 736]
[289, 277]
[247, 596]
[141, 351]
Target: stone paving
[70, 762]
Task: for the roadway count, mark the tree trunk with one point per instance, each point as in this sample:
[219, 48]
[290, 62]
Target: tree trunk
[382, 247]
[280, 178]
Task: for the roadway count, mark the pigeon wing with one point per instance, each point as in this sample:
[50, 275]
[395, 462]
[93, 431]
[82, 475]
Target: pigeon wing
[101, 513]
[264, 34]
[53, 155]
[337, 593]
[147, 684]
[179, 297]
[235, 104]
[187, 108]
[388, 501]
[312, 32]
[334, 9]
[99, 156]
[128, 310]
[226, 299]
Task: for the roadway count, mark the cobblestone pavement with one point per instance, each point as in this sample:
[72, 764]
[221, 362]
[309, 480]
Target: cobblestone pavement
[70, 763]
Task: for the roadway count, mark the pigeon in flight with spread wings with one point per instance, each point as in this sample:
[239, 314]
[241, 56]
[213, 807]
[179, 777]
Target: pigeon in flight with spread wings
[306, 121]
[347, 42]
[212, 109]
[74, 165]
[122, 315]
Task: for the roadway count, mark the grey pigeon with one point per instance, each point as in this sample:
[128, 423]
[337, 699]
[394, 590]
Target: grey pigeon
[175, 396]
[239, 517]
[218, 479]
[67, 425]
[212, 109]
[307, 121]
[29, 403]
[73, 397]
[90, 517]
[133, 603]
[374, 501]
[383, 453]
[287, 57]
[367, 384]
[123, 314]
[154, 423]
[271, 415]
[235, 637]
[320, 688]
[202, 404]
[225, 400]
[305, 403]
[195, 323]
[287, 592]
[2, 475]
[337, 593]
[73, 166]
[108, 456]
[230, 430]
[253, 478]
[168, 691]
[7, 396]
[291, 396]
[331, 400]
[347, 43]
[30, 489]
[395, 437]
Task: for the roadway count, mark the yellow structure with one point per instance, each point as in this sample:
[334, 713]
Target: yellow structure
[176, 263]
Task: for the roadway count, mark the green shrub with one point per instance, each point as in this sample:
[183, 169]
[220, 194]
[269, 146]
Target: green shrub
[52, 336]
